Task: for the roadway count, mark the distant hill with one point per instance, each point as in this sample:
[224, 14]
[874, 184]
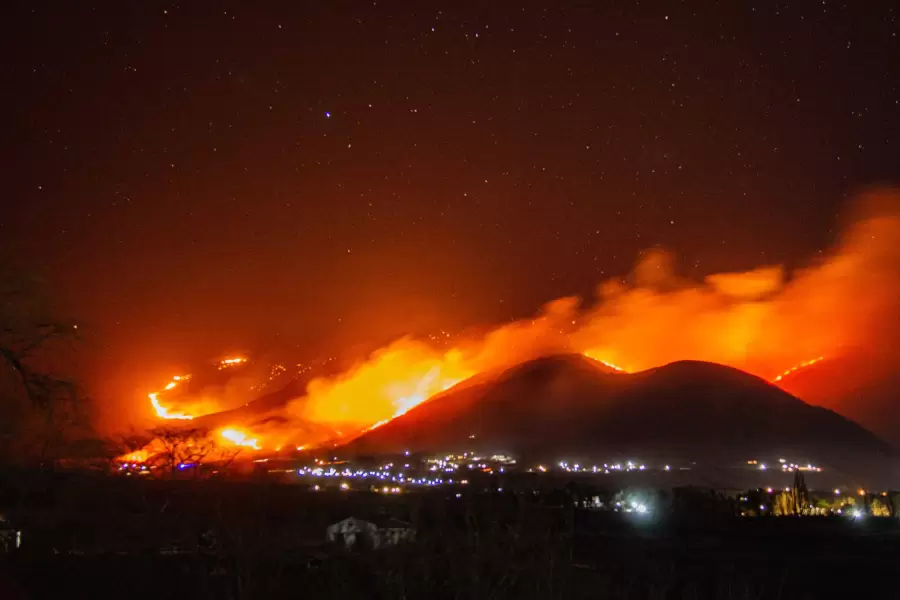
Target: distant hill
[267, 411]
[571, 406]
[265, 393]
[861, 387]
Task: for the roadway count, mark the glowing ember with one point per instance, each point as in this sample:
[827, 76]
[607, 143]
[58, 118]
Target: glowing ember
[239, 438]
[795, 368]
[231, 362]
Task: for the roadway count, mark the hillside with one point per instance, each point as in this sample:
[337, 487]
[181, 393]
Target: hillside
[859, 386]
[569, 406]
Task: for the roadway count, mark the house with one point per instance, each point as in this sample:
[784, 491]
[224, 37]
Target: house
[10, 537]
[353, 533]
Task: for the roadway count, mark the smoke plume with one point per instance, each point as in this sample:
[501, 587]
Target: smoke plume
[762, 321]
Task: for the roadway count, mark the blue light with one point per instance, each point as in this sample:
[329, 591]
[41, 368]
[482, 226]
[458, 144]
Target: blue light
[327, 115]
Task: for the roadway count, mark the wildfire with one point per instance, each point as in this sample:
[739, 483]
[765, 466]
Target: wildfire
[796, 368]
[612, 366]
[161, 411]
[138, 456]
[164, 413]
[758, 321]
[394, 381]
[240, 438]
[231, 362]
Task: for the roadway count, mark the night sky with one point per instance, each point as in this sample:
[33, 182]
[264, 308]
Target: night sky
[320, 175]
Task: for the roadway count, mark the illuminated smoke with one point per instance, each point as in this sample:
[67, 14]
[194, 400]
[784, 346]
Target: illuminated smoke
[761, 321]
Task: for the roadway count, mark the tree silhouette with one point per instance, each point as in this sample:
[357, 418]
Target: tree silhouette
[37, 405]
[175, 450]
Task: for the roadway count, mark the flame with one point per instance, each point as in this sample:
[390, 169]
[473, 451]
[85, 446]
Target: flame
[796, 368]
[394, 381]
[593, 356]
[231, 362]
[759, 321]
[163, 413]
[138, 456]
[240, 438]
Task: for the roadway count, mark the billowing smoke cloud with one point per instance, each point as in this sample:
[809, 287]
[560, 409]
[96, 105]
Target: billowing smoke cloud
[844, 303]
[761, 321]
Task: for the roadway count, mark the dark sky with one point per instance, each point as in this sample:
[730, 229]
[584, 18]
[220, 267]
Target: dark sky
[316, 174]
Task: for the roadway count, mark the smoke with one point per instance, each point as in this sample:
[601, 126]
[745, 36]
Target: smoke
[844, 303]
[762, 321]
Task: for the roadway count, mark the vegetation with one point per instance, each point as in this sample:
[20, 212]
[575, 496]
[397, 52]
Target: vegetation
[41, 411]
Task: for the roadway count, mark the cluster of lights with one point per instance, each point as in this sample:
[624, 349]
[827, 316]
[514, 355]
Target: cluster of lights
[383, 474]
[631, 507]
[786, 467]
[140, 469]
[606, 468]
[452, 463]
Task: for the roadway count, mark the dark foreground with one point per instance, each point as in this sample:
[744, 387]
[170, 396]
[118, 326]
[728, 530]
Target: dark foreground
[761, 561]
[268, 543]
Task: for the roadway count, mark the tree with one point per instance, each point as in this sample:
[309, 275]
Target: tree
[177, 450]
[37, 405]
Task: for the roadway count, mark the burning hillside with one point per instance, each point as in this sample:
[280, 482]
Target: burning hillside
[567, 405]
[767, 322]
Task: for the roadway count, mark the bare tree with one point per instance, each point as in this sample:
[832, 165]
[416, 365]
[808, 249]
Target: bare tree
[173, 450]
[36, 405]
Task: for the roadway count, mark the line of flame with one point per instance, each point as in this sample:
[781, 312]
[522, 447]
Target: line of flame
[797, 367]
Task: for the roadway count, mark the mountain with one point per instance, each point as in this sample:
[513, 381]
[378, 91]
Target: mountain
[857, 385]
[571, 406]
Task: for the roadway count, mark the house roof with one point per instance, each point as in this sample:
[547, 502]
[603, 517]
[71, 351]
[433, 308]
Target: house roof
[380, 522]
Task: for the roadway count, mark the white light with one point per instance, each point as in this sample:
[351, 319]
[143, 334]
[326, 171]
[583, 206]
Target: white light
[641, 508]
[857, 514]
[762, 467]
